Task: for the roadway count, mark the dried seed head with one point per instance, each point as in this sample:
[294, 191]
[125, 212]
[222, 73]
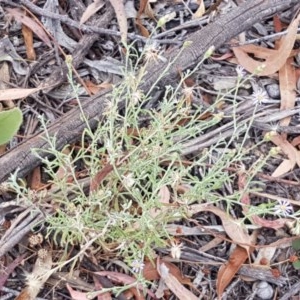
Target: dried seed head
[42, 253]
[176, 249]
[35, 239]
[152, 55]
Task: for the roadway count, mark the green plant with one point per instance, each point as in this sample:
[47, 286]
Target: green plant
[134, 173]
[10, 122]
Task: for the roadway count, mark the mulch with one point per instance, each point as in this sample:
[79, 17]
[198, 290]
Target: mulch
[97, 58]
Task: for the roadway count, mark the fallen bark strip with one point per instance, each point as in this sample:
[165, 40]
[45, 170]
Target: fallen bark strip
[69, 128]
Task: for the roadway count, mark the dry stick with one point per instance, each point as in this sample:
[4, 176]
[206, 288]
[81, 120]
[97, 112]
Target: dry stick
[197, 256]
[69, 128]
[269, 37]
[22, 227]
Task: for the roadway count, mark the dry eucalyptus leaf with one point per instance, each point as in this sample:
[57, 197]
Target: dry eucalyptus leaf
[229, 269]
[173, 284]
[285, 166]
[13, 94]
[20, 16]
[287, 80]
[274, 61]
[119, 8]
[91, 10]
[234, 228]
[5, 77]
[287, 148]
[200, 11]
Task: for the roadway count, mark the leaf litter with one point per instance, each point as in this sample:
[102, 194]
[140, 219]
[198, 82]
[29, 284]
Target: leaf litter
[171, 276]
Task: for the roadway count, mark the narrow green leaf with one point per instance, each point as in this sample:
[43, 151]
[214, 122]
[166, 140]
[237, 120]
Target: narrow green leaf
[10, 122]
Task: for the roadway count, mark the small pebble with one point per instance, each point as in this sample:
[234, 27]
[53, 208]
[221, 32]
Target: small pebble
[273, 90]
[263, 290]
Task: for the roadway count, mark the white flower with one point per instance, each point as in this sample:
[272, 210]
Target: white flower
[137, 266]
[128, 180]
[240, 71]
[284, 208]
[260, 96]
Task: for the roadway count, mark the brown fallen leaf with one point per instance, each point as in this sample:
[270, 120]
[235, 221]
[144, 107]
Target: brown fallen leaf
[64, 171]
[99, 176]
[173, 284]
[35, 179]
[296, 141]
[121, 18]
[274, 224]
[28, 39]
[288, 85]
[234, 228]
[261, 52]
[277, 23]
[21, 17]
[287, 148]
[274, 61]
[227, 271]
[96, 88]
[91, 10]
[13, 94]
[150, 271]
[285, 166]
[257, 51]
[144, 7]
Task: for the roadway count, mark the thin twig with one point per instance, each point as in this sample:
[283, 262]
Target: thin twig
[269, 37]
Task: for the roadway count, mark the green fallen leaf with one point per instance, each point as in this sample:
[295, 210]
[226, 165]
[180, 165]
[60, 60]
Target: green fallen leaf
[10, 121]
[296, 244]
[296, 264]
